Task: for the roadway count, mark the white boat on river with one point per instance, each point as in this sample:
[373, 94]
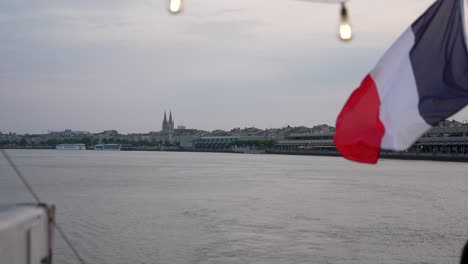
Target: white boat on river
[70, 147]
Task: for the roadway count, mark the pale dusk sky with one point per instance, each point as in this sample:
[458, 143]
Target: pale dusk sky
[118, 64]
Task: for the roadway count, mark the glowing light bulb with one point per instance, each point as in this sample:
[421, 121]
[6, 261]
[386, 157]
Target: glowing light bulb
[345, 31]
[176, 6]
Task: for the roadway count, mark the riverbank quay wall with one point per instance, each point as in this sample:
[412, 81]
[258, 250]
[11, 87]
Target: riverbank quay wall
[383, 154]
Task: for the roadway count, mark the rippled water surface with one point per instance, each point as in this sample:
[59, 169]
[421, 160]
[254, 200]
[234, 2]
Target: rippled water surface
[157, 207]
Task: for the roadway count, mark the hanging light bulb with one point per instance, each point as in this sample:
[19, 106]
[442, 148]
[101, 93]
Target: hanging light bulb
[176, 6]
[345, 31]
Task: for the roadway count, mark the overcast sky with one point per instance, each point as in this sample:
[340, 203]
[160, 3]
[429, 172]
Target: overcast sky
[118, 64]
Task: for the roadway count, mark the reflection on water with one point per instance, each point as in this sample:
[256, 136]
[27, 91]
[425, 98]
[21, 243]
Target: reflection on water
[155, 207]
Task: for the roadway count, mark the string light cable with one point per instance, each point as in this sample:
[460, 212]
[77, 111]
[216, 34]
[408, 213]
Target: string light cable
[175, 7]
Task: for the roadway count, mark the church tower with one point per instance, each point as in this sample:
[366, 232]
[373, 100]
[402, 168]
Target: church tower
[171, 123]
[168, 128]
[164, 124]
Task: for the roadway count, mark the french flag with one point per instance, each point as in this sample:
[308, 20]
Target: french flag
[421, 80]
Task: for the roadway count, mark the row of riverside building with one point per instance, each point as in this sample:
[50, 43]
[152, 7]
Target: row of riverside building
[449, 137]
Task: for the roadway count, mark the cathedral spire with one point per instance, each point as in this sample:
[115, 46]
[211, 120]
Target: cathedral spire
[170, 116]
[164, 123]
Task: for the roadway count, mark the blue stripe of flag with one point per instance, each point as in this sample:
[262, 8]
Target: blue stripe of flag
[440, 61]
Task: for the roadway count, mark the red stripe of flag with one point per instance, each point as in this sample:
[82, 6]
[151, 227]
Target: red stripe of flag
[359, 131]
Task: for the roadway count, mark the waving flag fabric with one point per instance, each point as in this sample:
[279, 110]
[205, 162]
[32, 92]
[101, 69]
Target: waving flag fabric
[421, 80]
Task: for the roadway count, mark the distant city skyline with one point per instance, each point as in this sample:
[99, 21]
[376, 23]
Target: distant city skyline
[162, 130]
[118, 64]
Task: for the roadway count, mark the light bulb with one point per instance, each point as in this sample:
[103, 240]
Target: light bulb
[345, 31]
[175, 6]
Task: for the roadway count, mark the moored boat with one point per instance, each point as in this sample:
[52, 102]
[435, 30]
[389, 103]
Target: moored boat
[70, 147]
[108, 147]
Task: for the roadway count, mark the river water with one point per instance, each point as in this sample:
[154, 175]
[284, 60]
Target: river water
[177, 208]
